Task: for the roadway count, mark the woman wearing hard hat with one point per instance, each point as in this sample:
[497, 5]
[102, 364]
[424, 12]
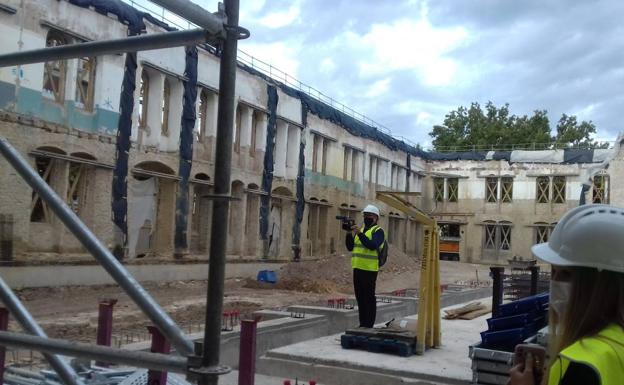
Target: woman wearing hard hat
[586, 250]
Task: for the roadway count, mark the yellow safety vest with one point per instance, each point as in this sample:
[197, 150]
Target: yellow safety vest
[362, 257]
[604, 352]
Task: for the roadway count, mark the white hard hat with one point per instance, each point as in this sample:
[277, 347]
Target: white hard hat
[371, 209]
[587, 236]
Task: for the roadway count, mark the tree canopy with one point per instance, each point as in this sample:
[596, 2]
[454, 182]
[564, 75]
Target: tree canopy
[492, 127]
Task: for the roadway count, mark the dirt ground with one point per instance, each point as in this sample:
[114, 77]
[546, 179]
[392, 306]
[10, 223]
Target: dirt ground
[71, 312]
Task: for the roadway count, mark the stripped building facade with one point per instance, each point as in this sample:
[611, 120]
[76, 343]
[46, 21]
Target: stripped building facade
[297, 163]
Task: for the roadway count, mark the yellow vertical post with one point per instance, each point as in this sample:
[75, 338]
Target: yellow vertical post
[437, 334]
[421, 325]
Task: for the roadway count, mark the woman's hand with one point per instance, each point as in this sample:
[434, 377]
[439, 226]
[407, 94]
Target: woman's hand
[522, 373]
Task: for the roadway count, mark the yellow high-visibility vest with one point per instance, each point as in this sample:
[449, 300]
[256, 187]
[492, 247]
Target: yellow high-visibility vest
[604, 352]
[362, 257]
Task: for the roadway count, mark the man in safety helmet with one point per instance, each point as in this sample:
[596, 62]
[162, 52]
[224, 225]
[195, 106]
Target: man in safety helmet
[364, 243]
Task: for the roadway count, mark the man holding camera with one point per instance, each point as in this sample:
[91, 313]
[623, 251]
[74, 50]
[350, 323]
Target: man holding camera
[364, 244]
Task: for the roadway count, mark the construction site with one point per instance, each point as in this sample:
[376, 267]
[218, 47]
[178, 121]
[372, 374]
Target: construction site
[168, 205]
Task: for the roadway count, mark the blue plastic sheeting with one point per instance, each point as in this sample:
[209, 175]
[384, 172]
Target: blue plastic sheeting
[501, 155]
[187, 125]
[267, 173]
[300, 205]
[352, 125]
[578, 156]
[470, 155]
[124, 12]
[119, 204]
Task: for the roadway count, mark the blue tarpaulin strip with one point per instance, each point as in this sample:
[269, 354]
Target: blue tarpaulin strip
[119, 204]
[187, 125]
[267, 173]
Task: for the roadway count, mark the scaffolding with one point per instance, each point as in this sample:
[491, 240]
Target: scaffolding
[199, 361]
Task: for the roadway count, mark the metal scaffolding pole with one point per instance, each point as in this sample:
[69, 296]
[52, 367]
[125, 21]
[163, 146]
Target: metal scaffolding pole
[225, 121]
[195, 14]
[140, 359]
[21, 314]
[116, 270]
[108, 47]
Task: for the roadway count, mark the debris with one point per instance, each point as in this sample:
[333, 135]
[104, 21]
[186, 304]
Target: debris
[470, 311]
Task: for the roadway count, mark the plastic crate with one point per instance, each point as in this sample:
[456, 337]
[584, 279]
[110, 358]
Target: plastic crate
[504, 339]
[524, 305]
[504, 323]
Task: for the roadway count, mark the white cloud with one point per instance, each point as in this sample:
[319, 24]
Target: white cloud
[281, 56]
[412, 45]
[378, 88]
[327, 66]
[281, 18]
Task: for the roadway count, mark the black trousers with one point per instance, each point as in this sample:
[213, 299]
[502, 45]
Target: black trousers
[364, 287]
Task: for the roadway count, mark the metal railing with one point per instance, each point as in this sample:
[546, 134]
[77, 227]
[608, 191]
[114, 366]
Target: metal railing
[529, 146]
[269, 70]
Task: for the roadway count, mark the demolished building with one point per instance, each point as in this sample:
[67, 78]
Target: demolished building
[297, 161]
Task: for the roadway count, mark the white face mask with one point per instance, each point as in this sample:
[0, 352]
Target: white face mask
[559, 297]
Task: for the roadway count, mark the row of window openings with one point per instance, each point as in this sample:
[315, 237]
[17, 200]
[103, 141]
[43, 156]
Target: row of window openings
[549, 189]
[498, 235]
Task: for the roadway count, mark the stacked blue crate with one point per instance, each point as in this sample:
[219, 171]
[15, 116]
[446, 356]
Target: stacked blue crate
[515, 321]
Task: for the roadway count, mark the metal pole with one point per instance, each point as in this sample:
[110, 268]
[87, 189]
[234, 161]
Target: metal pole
[497, 288]
[94, 352]
[116, 270]
[105, 324]
[196, 15]
[107, 47]
[4, 325]
[162, 346]
[534, 279]
[247, 353]
[28, 323]
[219, 232]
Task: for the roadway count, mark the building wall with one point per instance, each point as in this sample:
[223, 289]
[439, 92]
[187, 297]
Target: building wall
[343, 171]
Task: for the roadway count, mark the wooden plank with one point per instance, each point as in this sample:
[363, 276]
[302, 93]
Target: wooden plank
[476, 313]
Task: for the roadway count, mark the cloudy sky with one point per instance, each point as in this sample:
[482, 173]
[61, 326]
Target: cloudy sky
[407, 63]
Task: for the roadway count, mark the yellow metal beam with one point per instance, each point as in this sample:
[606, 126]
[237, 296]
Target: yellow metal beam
[394, 200]
[428, 334]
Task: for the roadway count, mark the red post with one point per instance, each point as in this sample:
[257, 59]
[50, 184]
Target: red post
[4, 325]
[159, 345]
[247, 354]
[105, 324]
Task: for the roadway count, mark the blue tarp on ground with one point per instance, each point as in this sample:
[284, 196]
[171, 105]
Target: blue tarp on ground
[187, 125]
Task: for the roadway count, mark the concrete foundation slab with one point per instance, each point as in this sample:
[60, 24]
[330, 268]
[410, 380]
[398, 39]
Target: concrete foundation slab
[326, 360]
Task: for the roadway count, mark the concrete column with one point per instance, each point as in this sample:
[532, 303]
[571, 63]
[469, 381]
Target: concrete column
[292, 151]
[154, 108]
[165, 217]
[212, 104]
[246, 120]
[261, 130]
[252, 224]
[170, 143]
[281, 146]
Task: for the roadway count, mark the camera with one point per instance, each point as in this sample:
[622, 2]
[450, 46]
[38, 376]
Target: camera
[347, 222]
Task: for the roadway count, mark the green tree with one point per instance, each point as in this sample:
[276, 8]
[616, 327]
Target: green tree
[494, 127]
